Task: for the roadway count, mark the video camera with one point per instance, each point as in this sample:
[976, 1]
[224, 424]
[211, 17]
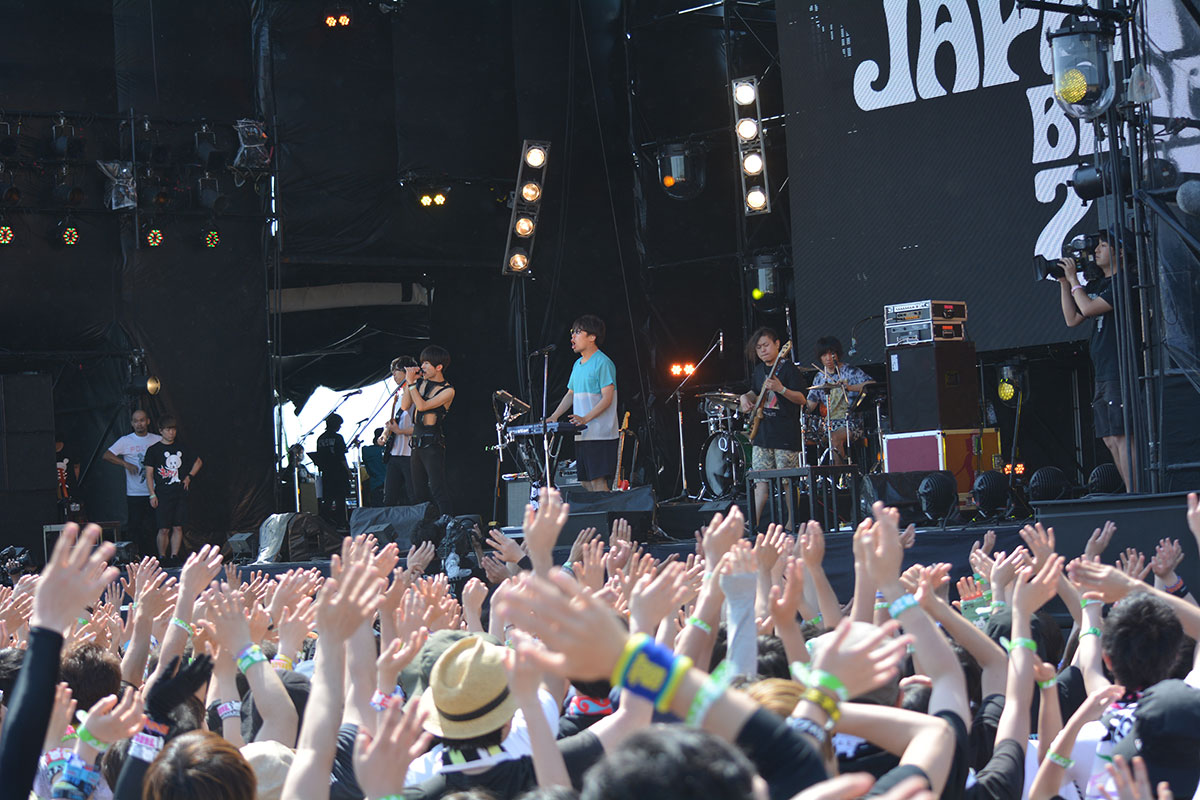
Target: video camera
[1082, 248]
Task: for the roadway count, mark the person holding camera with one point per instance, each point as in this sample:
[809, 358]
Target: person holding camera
[1095, 301]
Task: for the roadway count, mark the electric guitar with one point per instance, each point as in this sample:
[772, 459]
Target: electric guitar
[391, 437]
[757, 414]
[620, 485]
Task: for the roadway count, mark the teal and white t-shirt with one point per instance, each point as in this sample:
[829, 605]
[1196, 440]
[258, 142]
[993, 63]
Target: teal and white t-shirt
[587, 379]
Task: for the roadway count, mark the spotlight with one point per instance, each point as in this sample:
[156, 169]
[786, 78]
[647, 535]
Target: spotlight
[744, 92]
[211, 237]
[10, 193]
[66, 191]
[1011, 387]
[747, 129]
[1105, 479]
[535, 156]
[1083, 67]
[209, 154]
[439, 199]
[938, 493]
[64, 141]
[331, 20]
[426, 200]
[154, 236]
[1048, 483]
[990, 492]
[752, 164]
[681, 170]
[518, 261]
[756, 199]
[524, 227]
[531, 192]
[68, 233]
[6, 234]
[210, 195]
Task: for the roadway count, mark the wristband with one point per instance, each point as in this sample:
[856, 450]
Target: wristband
[820, 679]
[699, 623]
[380, 701]
[229, 710]
[282, 662]
[827, 704]
[250, 656]
[52, 760]
[1075, 289]
[879, 595]
[997, 605]
[187, 626]
[650, 670]
[78, 780]
[881, 605]
[87, 737]
[1180, 591]
[814, 621]
[1020, 641]
[806, 725]
[1089, 602]
[145, 746]
[1093, 631]
[399, 692]
[712, 689]
[1178, 582]
[1048, 684]
[902, 604]
[1062, 761]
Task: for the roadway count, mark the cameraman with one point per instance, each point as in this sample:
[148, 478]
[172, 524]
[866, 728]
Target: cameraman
[1095, 301]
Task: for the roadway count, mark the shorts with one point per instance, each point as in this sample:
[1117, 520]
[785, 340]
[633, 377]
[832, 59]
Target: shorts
[1107, 410]
[773, 458]
[171, 511]
[595, 458]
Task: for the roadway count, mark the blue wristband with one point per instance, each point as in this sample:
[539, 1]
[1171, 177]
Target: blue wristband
[903, 603]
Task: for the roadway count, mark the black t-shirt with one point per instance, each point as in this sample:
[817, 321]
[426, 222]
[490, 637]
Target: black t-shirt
[782, 756]
[780, 426]
[331, 454]
[171, 463]
[510, 778]
[983, 730]
[1103, 345]
[956, 780]
[1003, 777]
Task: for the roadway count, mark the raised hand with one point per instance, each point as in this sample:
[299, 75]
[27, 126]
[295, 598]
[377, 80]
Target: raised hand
[721, 533]
[200, 569]
[582, 538]
[1040, 541]
[111, 721]
[882, 550]
[543, 526]
[810, 545]
[507, 549]
[347, 602]
[474, 593]
[868, 664]
[1108, 582]
[769, 546]
[396, 656]
[618, 555]
[381, 760]
[784, 602]
[73, 578]
[589, 570]
[621, 531]
[1133, 563]
[1033, 590]
[653, 598]
[1167, 557]
[61, 714]
[909, 537]
[1098, 541]
[494, 569]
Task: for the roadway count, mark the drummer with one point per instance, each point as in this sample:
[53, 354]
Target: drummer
[836, 387]
[778, 442]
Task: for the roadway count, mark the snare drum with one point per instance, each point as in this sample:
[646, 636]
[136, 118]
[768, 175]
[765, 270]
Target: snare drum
[723, 462]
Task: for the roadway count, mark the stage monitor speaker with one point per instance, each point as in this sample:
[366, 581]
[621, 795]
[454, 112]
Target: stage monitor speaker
[27, 434]
[898, 490]
[516, 497]
[681, 520]
[391, 523]
[600, 509]
[933, 387]
[294, 537]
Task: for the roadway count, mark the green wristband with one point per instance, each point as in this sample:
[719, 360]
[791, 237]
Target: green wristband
[1062, 761]
[1020, 641]
[1048, 684]
[1093, 631]
[699, 623]
[820, 679]
[86, 736]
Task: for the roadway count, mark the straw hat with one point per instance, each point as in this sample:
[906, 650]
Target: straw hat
[468, 691]
[270, 762]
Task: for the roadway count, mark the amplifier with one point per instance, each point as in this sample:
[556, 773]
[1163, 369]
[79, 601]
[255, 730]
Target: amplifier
[923, 332]
[925, 311]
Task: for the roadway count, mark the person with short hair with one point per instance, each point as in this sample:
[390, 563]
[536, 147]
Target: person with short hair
[592, 397]
[335, 475]
[170, 469]
[129, 452]
[397, 438]
[429, 397]
[836, 386]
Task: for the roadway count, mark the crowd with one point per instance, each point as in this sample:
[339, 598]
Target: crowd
[735, 673]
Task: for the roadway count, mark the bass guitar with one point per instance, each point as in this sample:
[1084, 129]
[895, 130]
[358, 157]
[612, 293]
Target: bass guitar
[757, 414]
[620, 485]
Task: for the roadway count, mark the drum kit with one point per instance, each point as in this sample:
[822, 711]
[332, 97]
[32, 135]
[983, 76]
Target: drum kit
[725, 455]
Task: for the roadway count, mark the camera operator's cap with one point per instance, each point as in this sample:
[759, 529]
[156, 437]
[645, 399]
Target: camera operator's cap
[1166, 733]
[415, 677]
[468, 692]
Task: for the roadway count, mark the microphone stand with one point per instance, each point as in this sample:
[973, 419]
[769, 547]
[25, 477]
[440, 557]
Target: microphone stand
[678, 395]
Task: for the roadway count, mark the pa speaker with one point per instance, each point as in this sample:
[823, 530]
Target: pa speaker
[898, 490]
[933, 387]
[391, 523]
[600, 509]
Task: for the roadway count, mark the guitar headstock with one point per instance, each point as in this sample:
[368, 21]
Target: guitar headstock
[787, 348]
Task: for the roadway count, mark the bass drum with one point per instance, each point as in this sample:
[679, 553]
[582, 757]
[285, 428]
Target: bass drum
[723, 463]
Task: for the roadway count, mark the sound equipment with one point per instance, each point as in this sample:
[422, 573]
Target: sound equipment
[681, 520]
[922, 333]
[391, 523]
[294, 537]
[925, 311]
[962, 453]
[599, 509]
[108, 533]
[895, 489]
[28, 498]
[551, 427]
[933, 387]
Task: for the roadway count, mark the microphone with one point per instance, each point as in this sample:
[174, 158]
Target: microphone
[721, 344]
[351, 394]
[853, 346]
[550, 348]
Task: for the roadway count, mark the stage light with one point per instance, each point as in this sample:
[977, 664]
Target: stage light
[66, 191]
[1006, 390]
[535, 156]
[990, 492]
[747, 129]
[6, 234]
[681, 169]
[439, 199]
[752, 164]
[343, 19]
[10, 193]
[68, 233]
[756, 199]
[210, 196]
[1009, 469]
[938, 493]
[1048, 483]
[744, 92]
[1105, 479]
[679, 370]
[426, 200]
[524, 227]
[154, 236]
[531, 192]
[518, 261]
[1011, 387]
[209, 154]
[331, 20]
[65, 142]
[1083, 67]
[211, 237]
[757, 293]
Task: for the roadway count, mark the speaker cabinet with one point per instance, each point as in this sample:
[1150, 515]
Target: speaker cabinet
[933, 387]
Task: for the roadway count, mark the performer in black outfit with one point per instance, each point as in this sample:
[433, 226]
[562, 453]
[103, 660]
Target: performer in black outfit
[430, 398]
[335, 475]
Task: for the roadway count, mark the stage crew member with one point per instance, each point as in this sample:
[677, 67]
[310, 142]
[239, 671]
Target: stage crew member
[778, 442]
[1096, 301]
[397, 486]
[129, 452]
[170, 469]
[429, 398]
[335, 475]
[839, 387]
[592, 397]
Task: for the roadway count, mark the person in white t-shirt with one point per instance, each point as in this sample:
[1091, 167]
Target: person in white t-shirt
[129, 452]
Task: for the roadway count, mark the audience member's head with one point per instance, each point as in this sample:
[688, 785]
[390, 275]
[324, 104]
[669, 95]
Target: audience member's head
[468, 703]
[671, 762]
[199, 766]
[91, 671]
[1141, 639]
[772, 658]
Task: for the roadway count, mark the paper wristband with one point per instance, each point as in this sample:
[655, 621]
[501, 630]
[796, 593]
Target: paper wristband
[902, 604]
[1020, 641]
[144, 746]
[712, 689]
[699, 623]
[87, 737]
[1048, 684]
[806, 725]
[1062, 761]
[820, 679]
[1093, 631]
[229, 710]
[379, 701]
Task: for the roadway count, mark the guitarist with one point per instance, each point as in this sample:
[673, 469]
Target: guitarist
[397, 452]
[778, 442]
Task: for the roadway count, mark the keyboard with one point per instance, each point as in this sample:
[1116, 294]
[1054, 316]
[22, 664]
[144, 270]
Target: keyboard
[551, 427]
